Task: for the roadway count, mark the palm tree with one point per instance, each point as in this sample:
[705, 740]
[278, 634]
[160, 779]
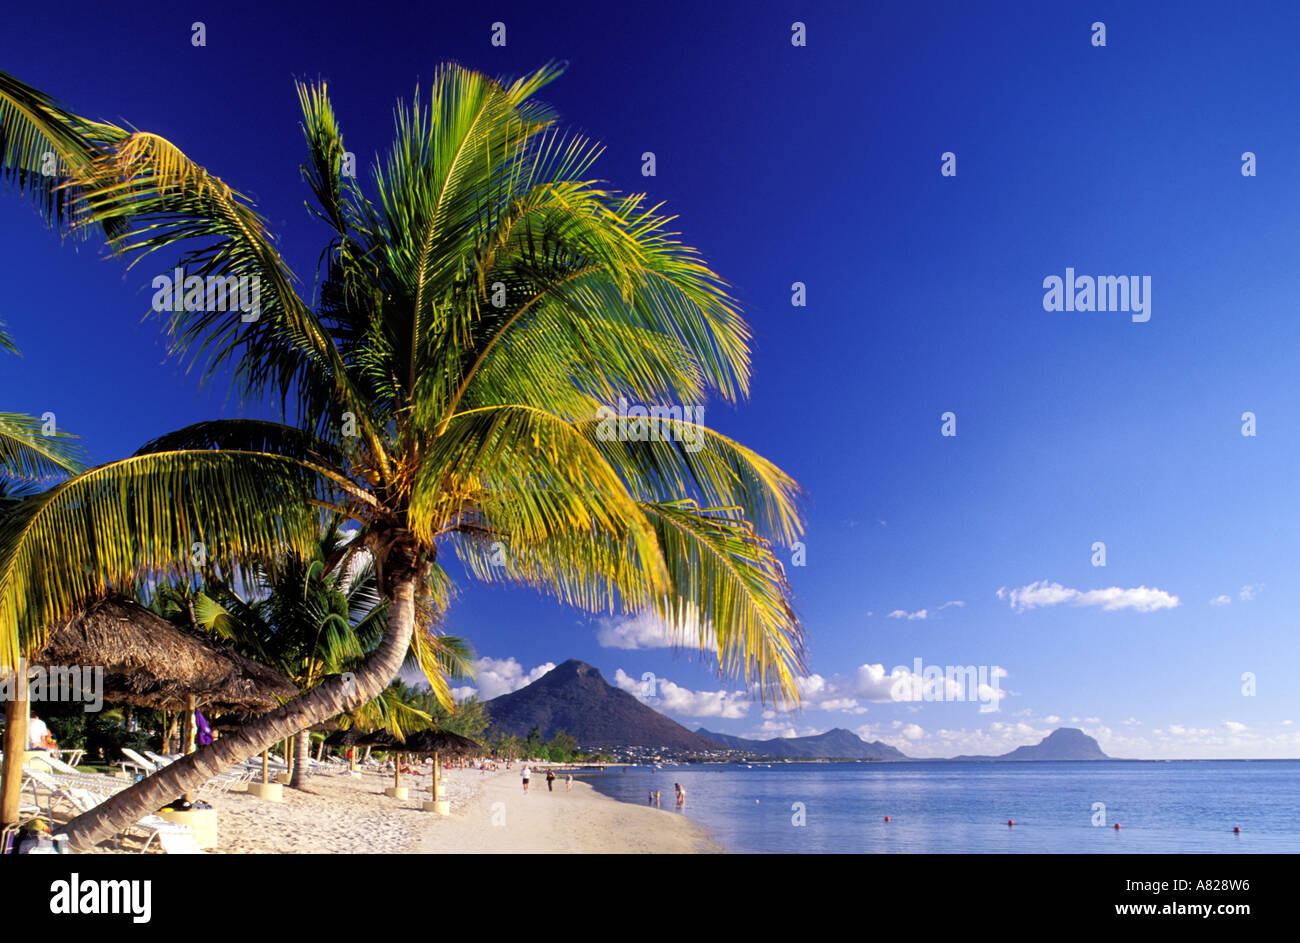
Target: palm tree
[307, 622]
[447, 389]
[28, 456]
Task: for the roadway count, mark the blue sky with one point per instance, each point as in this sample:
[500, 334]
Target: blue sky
[821, 164]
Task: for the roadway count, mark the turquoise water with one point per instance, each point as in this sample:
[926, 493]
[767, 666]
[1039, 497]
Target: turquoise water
[1162, 807]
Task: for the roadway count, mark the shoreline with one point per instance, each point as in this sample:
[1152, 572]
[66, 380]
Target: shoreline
[489, 815]
[497, 818]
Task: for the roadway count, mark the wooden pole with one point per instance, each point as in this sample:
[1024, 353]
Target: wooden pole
[435, 775]
[190, 725]
[266, 765]
[15, 747]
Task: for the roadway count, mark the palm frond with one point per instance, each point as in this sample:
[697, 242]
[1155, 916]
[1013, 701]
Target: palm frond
[27, 452]
[161, 516]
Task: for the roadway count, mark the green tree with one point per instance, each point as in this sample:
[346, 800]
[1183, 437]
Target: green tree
[480, 313]
[562, 747]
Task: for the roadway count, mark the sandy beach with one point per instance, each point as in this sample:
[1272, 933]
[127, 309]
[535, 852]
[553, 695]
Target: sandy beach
[489, 815]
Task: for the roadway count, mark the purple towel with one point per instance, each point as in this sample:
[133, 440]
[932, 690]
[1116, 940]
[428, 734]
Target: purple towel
[204, 729]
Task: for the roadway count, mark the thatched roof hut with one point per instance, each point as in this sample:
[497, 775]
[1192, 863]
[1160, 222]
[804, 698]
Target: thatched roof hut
[346, 738]
[149, 662]
[381, 740]
[440, 741]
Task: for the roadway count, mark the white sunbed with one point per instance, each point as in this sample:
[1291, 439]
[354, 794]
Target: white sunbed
[135, 763]
[64, 768]
[155, 825]
[181, 840]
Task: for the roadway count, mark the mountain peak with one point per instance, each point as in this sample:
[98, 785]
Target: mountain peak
[576, 666]
[575, 697]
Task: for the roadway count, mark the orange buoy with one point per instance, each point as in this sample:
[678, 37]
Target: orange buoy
[1117, 826]
[886, 818]
[1011, 821]
[1236, 829]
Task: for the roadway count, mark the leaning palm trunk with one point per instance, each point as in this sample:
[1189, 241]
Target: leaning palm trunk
[334, 696]
[301, 760]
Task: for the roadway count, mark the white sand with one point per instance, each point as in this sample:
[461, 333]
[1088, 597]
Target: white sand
[354, 816]
[501, 819]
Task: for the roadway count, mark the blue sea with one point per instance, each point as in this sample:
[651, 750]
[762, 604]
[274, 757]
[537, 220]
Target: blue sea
[1162, 807]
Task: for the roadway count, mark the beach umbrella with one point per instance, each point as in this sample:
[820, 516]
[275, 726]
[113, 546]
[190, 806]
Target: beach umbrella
[148, 662]
[383, 740]
[351, 737]
[440, 741]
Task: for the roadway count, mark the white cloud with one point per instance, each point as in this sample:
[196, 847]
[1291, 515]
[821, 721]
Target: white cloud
[1234, 726]
[1043, 593]
[645, 630]
[874, 683]
[497, 676]
[674, 699]
[1249, 592]
[1051, 719]
[923, 613]
[1221, 600]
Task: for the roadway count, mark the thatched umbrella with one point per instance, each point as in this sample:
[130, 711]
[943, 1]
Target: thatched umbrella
[346, 738]
[149, 662]
[383, 740]
[440, 741]
[351, 737]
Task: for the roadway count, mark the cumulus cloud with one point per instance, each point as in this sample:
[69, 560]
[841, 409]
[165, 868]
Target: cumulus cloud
[1221, 600]
[1041, 594]
[674, 699]
[497, 676]
[1249, 592]
[875, 683]
[1234, 726]
[645, 630]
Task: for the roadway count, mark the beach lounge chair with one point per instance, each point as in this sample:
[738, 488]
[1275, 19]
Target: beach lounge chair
[135, 764]
[83, 800]
[65, 775]
[178, 840]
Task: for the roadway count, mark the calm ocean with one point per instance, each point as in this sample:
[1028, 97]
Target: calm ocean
[1162, 807]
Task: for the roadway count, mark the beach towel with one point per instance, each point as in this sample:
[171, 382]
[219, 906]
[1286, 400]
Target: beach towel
[204, 734]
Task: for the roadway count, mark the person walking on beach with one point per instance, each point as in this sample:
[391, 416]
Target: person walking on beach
[525, 774]
[550, 780]
[568, 783]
